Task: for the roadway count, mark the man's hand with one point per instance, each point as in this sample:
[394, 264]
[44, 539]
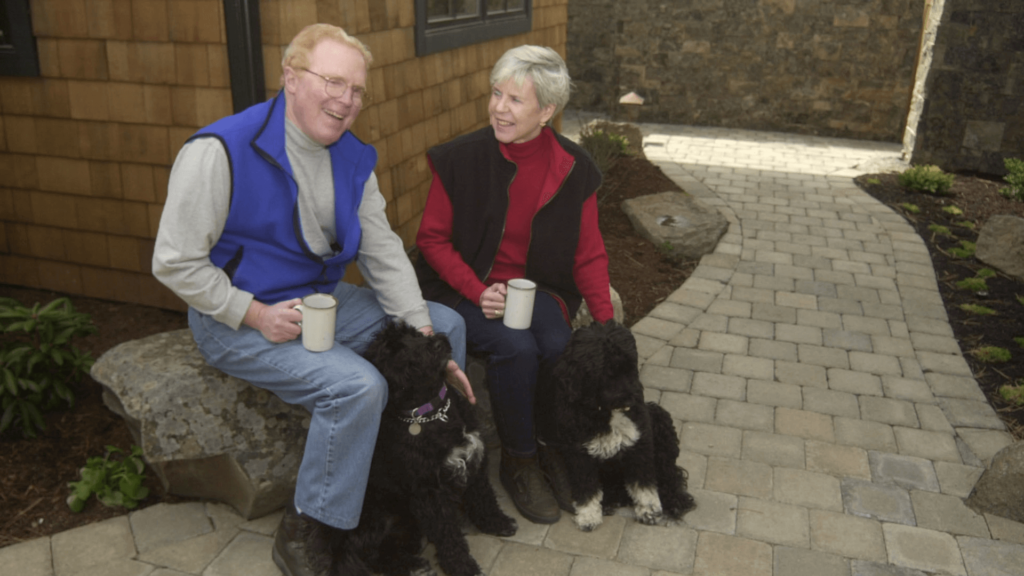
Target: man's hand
[492, 301]
[278, 323]
[457, 379]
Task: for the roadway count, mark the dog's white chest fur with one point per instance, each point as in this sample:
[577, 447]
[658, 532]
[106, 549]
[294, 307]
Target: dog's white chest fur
[466, 456]
[623, 434]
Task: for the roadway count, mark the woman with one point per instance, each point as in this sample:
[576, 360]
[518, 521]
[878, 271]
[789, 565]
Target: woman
[517, 200]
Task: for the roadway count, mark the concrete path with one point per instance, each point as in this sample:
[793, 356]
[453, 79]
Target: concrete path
[828, 421]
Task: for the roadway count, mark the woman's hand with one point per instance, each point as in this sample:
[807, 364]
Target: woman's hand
[492, 301]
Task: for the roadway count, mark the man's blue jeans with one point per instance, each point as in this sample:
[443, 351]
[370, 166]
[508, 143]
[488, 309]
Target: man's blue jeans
[344, 393]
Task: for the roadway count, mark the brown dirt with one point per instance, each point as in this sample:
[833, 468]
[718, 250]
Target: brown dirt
[35, 472]
[978, 199]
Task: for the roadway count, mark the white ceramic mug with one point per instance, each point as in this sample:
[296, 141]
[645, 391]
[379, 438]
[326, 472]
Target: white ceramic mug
[519, 303]
[318, 314]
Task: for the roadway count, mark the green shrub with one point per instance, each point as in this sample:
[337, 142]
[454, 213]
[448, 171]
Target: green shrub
[952, 210]
[1013, 393]
[38, 363]
[912, 208]
[1019, 340]
[965, 224]
[992, 354]
[604, 147]
[1015, 179]
[939, 229]
[972, 284]
[966, 250]
[985, 273]
[926, 179]
[977, 309]
[114, 482]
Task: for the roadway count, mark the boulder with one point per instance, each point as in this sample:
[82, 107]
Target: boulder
[204, 433]
[1001, 244]
[583, 317]
[999, 490]
[682, 225]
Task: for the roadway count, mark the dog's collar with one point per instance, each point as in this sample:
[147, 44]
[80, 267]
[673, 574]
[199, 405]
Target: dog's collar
[418, 414]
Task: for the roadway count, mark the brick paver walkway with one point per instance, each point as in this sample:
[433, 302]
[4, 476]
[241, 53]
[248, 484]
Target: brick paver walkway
[828, 421]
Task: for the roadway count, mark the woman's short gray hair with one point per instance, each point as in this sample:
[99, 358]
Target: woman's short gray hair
[541, 64]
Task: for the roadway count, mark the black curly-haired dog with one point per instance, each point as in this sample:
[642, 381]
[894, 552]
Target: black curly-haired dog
[618, 450]
[428, 463]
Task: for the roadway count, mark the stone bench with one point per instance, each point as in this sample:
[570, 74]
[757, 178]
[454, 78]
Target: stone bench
[209, 435]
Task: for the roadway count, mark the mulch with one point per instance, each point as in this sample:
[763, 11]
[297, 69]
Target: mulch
[978, 199]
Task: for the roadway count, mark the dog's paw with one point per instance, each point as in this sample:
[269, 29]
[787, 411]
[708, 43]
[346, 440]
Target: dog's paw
[500, 526]
[589, 515]
[648, 517]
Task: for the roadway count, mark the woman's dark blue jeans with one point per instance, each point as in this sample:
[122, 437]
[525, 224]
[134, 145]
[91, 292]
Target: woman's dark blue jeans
[515, 358]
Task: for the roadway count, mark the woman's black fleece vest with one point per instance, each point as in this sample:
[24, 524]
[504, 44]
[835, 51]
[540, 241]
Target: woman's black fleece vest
[477, 178]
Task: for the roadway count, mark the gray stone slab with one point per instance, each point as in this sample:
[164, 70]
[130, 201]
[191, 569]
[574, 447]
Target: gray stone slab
[923, 549]
[866, 435]
[880, 364]
[719, 385]
[821, 356]
[773, 449]
[883, 502]
[740, 477]
[927, 444]
[164, 524]
[807, 488]
[865, 568]
[716, 511]
[666, 378]
[603, 542]
[984, 557]
[516, 559]
[854, 382]
[675, 312]
[92, 545]
[837, 460]
[689, 408]
[804, 424]
[192, 555]
[957, 479]
[984, 444]
[657, 328]
[909, 389]
[30, 558]
[801, 374]
[697, 360]
[246, 555]
[889, 411]
[585, 566]
[711, 440]
[846, 340]
[954, 386]
[971, 414]
[745, 416]
[774, 394]
[943, 363]
[724, 555]
[831, 402]
[947, 513]
[1004, 529]
[847, 535]
[905, 471]
[803, 562]
[656, 547]
[772, 522]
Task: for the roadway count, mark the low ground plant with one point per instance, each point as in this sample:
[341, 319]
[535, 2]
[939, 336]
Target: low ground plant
[604, 147]
[925, 178]
[972, 284]
[939, 229]
[38, 362]
[978, 309]
[966, 250]
[1013, 393]
[912, 208]
[1015, 179]
[115, 482]
[992, 354]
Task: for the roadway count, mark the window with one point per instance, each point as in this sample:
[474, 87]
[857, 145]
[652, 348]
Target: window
[447, 24]
[17, 45]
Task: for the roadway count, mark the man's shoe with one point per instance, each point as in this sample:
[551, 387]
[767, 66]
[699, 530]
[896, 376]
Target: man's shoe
[525, 483]
[290, 551]
[553, 466]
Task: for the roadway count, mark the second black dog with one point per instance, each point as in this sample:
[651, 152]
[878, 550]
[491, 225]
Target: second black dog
[618, 450]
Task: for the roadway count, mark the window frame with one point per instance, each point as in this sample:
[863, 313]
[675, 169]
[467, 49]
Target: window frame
[19, 58]
[482, 28]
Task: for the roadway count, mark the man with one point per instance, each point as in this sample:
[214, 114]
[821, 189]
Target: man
[267, 206]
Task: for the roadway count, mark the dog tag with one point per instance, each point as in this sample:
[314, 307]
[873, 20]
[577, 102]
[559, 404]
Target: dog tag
[414, 428]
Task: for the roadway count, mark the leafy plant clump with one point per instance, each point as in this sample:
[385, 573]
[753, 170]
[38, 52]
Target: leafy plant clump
[1020, 341]
[985, 273]
[965, 224]
[966, 250]
[114, 482]
[973, 284]
[39, 364]
[1013, 393]
[978, 309]
[925, 178]
[939, 230]
[1015, 179]
[992, 354]
[952, 210]
[912, 208]
[604, 147]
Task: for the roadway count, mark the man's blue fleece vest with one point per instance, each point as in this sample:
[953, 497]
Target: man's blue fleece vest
[262, 248]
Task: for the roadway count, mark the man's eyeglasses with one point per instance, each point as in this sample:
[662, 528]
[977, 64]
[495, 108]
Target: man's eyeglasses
[336, 87]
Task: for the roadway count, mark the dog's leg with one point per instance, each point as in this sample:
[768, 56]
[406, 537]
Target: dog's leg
[675, 500]
[436, 513]
[585, 483]
[482, 505]
[640, 477]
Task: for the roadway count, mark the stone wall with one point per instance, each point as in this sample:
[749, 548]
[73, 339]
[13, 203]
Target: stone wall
[805, 66]
[973, 114]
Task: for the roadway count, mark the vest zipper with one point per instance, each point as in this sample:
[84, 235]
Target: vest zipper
[530, 243]
[504, 222]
